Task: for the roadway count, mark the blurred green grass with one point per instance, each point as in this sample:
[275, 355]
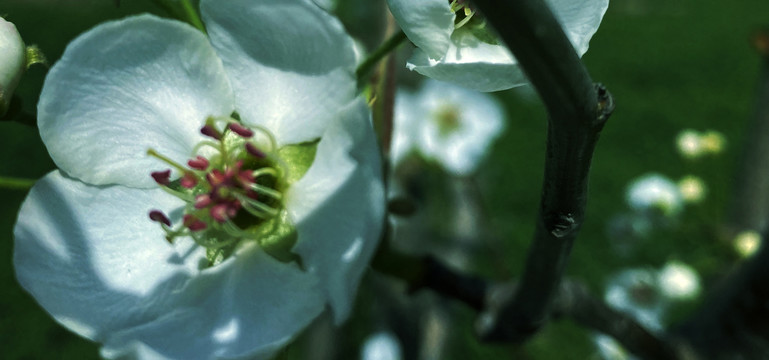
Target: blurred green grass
[671, 65]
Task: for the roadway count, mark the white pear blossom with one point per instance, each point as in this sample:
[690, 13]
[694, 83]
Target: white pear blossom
[692, 189]
[747, 243]
[610, 349]
[636, 291]
[446, 123]
[381, 346]
[12, 62]
[272, 205]
[454, 43]
[654, 191]
[678, 281]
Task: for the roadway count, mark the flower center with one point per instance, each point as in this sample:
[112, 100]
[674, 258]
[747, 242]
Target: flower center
[233, 189]
[447, 119]
[467, 19]
[463, 12]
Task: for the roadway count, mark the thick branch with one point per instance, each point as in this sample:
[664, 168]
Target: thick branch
[577, 111]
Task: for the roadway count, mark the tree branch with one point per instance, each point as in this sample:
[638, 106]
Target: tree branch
[572, 300]
[577, 111]
[750, 204]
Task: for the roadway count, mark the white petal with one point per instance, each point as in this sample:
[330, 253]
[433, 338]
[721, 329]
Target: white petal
[126, 86]
[338, 207]
[92, 257]
[250, 306]
[290, 63]
[480, 66]
[480, 122]
[427, 23]
[580, 19]
[406, 120]
[471, 63]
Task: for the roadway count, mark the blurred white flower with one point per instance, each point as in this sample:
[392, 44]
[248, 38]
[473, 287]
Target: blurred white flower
[446, 123]
[636, 292]
[689, 144]
[280, 159]
[693, 144]
[610, 349]
[454, 44]
[654, 191]
[713, 142]
[678, 281]
[381, 346]
[692, 189]
[746, 243]
[12, 62]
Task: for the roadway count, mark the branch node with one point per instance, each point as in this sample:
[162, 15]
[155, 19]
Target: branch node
[605, 104]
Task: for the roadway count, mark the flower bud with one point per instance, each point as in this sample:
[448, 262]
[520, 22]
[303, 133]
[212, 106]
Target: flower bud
[12, 62]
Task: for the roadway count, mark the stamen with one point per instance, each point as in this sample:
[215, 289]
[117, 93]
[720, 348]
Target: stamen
[265, 171]
[210, 131]
[202, 201]
[223, 212]
[162, 177]
[201, 144]
[158, 216]
[468, 15]
[253, 150]
[267, 191]
[193, 223]
[240, 130]
[216, 178]
[167, 160]
[198, 163]
[268, 134]
[257, 208]
[189, 180]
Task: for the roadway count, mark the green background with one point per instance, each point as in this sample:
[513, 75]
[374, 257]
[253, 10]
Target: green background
[671, 65]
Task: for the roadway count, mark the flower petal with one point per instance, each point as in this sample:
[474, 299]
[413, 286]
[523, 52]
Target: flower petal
[471, 63]
[580, 19]
[338, 207]
[247, 307]
[126, 86]
[291, 64]
[481, 66]
[91, 256]
[407, 117]
[427, 23]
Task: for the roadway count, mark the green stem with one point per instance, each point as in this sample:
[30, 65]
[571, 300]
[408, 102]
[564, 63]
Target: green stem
[16, 183]
[389, 45]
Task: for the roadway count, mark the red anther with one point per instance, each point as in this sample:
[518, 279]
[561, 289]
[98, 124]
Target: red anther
[241, 130]
[221, 212]
[188, 180]
[193, 223]
[246, 178]
[216, 178]
[211, 132]
[198, 163]
[254, 151]
[202, 200]
[158, 216]
[162, 177]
